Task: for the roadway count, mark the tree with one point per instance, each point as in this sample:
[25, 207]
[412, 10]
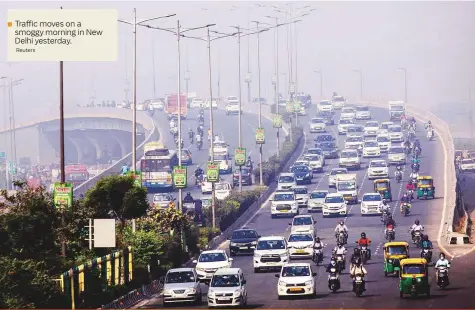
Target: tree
[119, 195]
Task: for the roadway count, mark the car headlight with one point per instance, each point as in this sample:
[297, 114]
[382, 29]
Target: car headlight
[309, 283]
[233, 244]
[307, 175]
[167, 292]
[254, 242]
[210, 293]
[257, 255]
[294, 204]
[282, 283]
[192, 291]
[200, 269]
[283, 255]
[237, 293]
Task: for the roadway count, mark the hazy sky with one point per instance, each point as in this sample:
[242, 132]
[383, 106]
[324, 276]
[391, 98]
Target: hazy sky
[435, 41]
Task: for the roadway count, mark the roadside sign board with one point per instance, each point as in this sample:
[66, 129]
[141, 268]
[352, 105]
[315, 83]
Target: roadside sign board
[63, 195]
[260, 136]
[297, 106]
[289, 107]
[240, 156]
[212, 172]
[179, 177]
[137, 175]
[277, 121]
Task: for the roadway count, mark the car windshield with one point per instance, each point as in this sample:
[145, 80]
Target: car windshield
[334, 199]
[306, 220]
[381, 186]
[318, 120]
[397, 250]
[232, 98]
[217, 145]
[371, 144]
[220, 157]
[386, 125]
[328, 145]
[314, 151]
[296, 271]
[394, 129]
[300, 237]
[301, 190]
[161, 198]
[346, 121]
[377, 164]
[325, 138]
[348, 110]
[372, 197]
[221, 186]
[413, 269]
[362, 109]
[283, 197]
[396, 150]
[468, 161]
[325, 103]
[371, 124]
[286, 179]
[212, 257]
[354, 139]
[180, 277]
[270, 245]
[318, 195]
[346, 186]
[244, 234]
[349, 154]
[312, 157]
[355, 129]
[301, 163]
[382, 139]
[338, 98]
[299, 169]
[224, 280]
[340, 171]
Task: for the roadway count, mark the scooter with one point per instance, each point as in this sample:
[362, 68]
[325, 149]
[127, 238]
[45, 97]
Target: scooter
[358, 287]
[199, 145]
[427, 254]
[333, 280]
[442, 277]
[390, 234]
[417, 238]
[317, 255]
[405, 209]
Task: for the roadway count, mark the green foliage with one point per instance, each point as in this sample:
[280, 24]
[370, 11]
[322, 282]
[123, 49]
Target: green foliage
[146, 245]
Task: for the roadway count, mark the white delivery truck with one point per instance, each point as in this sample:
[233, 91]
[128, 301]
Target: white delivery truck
[346, 186]
[396, 109]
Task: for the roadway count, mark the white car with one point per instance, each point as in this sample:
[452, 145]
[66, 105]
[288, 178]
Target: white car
[378, 169]
[303, 224]
[362, 112]
[350, 159]
[197, 103]
[220, 147]
[210, 261]
[181, 285]
[339, 102]
[371, 149]
[316, 200]
[371, 204]
[384, 142]
[348, 113]
[317, 125]
[335, 204]
[300, 245]
[232, 108]
[301, 162]
[395, 133]
[284, 203]
[396, 155]
[325, 106]
[140, 107]
[232, 99]
[206, 187]
[333, 175]
[316, 151]
[214, 103]
[222, 190]
[227, 289]
[383, 128]
[286, 181]
[301, 195]
[371, 128]
[302, 111]
[270, 253]
[315, 162]
[355, 130]
[467, 165]
[157, 104]
[354, 142]
[343, 125]
[296, 279]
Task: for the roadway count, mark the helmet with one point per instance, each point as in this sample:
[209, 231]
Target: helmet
[191, 129]
[317, 239]
[390, 216]
[363, 235]
[417, 222]
[356, 251]
[248, 157]
[429, 122]
[339, 245]
[385, 202]
[425, 238]
[188, 194]
[405, 195]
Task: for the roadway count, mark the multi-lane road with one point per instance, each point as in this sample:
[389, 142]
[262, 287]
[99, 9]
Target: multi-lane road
[226, 126]
[382, 292]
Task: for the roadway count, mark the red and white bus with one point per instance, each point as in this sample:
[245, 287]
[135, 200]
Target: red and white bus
[76, 174]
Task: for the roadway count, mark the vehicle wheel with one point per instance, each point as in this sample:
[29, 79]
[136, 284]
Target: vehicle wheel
[232, 253]
[385, 274]
[164, 304]
[256, 270]
[280, 297]
[273, 216]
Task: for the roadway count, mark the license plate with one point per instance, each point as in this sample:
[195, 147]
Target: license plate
[243, 247]
[271, 263]
[300, 251]
[295, 289]
[284, 210]
[224, 299]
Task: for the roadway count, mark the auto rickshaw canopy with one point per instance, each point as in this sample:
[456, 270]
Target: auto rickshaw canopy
[396, 249]
[413, 268]
[382, 185]
[425, 182]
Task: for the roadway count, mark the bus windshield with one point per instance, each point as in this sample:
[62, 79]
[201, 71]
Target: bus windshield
[159, 165]
[76, 176]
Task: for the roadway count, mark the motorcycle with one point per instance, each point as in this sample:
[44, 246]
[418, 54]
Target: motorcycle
[390, 234]
[341, 238]
[399, 177]
[427, 254]
[198, 180]
[405, 209]
[191, 139]
[151, 112]
[201, 122]
[358, 287]
[340, 262]
[333, 280]
[416, 239]
[188, 207]
[384, 217]
[199, 145]
[412, 135]
[364, 254]
[442, 277]
[317, 255]
[249, 165]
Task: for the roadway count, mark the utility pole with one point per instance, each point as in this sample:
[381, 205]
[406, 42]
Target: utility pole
[213, 192]
[248, 77]
[62, 162]
[127, 83]
[12, 115]
[187, 72]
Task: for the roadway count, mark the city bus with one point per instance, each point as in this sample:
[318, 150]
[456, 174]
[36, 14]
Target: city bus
[76, 174]
[157, 166]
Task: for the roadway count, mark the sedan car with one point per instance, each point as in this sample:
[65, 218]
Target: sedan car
[384, 142]
[186, 158]
[315, 151]
[332, 176]
[246, 176]
[315, 162]
[162, 200]
[343, 125]
[317, 124]
[348, 113]
[316, 200]
[371, 128]
[330, 149]
[371, 149]
[301, 195]
[371, 204]
[303, 174]
[327, 116]
[296, 279]
[300, 245]
[378, 169]
[323, 138]
[222, 190]
[243, 241]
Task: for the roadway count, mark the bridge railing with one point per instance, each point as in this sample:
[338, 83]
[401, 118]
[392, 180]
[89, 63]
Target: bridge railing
[115, 168]
[443, 134]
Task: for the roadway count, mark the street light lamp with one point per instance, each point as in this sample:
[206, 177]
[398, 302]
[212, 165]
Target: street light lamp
[135, 23]
[405, 83]
[320, 72]
[361, 82]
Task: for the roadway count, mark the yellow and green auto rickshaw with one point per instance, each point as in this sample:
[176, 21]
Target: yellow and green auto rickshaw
[425, 187]
[383, 186]
[414, 277]
[394, 252]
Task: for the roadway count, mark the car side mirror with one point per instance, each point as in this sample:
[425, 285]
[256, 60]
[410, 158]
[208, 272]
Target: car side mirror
[230, 259]
[314, 274]
[277, 275]
[244, 282]
[195, 261]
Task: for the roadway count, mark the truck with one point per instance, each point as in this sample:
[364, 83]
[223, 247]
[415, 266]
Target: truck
[396, 110]
[346, 185]
[172, 106]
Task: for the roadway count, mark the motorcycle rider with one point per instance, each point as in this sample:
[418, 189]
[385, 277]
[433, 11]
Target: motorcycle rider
[407, 144]
[198, 138]
[390, 223]
[172, 123]
[416, 227]
[405, 199]
[125, 168]
[413, 176]
[318, 245]
[411, 187]
[356, 255]
[426, 244]
[199, 130]
[198, 174]
[340, 250]
[358, 270]
[384, 208]
[329, 268]
[365, 241]
[442, 262]
[249, 162]
[188, 198]
[341, 227]
[398, 172]
[191, 134]
[417, 143]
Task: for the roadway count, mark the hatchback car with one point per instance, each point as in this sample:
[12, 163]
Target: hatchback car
[246, 178]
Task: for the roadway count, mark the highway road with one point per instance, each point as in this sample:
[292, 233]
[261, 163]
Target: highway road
[226, 126]
[382, 292]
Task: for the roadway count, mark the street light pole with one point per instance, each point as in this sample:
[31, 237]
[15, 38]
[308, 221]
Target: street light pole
[153, 68]
[405, 83]
[12, 111]
[277, 80]
[213, 193]
[187, 72]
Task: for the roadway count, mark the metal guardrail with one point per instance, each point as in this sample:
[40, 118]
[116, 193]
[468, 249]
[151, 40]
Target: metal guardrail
[136, 296]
